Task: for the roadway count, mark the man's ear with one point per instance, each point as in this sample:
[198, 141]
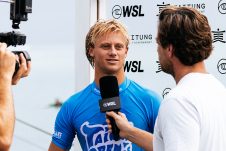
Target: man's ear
[126, 52]
[91, 53]
[170, 50]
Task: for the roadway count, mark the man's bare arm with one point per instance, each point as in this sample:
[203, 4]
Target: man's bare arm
[7, 115]
[53, 147]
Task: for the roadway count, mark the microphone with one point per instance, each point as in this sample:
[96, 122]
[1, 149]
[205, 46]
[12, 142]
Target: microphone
[109, 91]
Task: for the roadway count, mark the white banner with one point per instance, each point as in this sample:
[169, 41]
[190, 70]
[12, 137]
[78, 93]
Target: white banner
[140, 18]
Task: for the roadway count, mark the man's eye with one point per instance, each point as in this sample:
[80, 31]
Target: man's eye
[119, 47]
[105, 46]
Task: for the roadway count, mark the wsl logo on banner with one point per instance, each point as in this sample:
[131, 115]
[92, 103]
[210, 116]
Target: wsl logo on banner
[127, 11]
[141, 38]
[133, 66]
[221, 66]
[222, 6]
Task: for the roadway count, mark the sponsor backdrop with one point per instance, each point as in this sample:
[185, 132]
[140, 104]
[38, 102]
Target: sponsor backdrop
[140, 18]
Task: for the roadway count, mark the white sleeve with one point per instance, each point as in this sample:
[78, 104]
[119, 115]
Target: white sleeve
[178, 126]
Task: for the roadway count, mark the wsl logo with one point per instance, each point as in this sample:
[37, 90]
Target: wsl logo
[116, 12]
[133, 66]
[109, 104]
[127, 11]
[222, 6]
[221, 66]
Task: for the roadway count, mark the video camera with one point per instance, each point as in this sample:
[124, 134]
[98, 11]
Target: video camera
[18, 12]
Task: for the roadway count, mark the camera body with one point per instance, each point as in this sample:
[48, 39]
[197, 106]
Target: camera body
[13, 38]
[18, 12]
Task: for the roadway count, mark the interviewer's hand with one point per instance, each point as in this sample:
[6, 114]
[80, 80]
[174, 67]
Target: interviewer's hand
[122, 123]
[130, 132]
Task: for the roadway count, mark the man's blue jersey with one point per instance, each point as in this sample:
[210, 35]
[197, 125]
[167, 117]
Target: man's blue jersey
[80, 115]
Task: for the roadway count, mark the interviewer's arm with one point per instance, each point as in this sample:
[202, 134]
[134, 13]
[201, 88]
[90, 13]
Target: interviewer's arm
[140, 137]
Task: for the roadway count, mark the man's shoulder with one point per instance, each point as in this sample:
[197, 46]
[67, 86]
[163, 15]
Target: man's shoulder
[143, 91]
[80, 95]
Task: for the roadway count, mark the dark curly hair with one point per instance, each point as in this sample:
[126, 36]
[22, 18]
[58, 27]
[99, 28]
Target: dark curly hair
[188, 31]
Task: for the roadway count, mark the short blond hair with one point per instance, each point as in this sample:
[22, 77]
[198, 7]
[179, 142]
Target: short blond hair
[100, 28]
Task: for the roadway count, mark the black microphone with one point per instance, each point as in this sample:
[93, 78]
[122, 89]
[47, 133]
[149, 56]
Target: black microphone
[109, 91]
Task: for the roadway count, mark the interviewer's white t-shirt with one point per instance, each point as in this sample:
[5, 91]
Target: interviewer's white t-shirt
[193, 116]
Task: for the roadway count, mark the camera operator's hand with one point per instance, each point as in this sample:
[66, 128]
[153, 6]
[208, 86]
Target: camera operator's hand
[7, 64]
[24, 69]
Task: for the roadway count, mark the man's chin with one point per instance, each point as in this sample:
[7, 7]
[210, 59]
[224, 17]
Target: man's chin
[167, 71]
[112, 71]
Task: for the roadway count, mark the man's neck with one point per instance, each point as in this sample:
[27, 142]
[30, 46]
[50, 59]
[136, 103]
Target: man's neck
[181, 70]
[120, 77]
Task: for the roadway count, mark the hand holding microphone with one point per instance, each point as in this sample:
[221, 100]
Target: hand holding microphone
[121, 122]
[109, 91]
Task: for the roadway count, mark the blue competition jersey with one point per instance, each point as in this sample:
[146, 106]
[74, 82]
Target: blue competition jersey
[80, 115]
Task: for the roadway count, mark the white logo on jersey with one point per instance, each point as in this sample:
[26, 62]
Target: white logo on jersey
[98, 138]
[57, 134]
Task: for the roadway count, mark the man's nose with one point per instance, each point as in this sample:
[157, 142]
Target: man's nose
[113, 50]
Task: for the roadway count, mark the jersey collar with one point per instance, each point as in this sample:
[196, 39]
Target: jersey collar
[122, 86]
